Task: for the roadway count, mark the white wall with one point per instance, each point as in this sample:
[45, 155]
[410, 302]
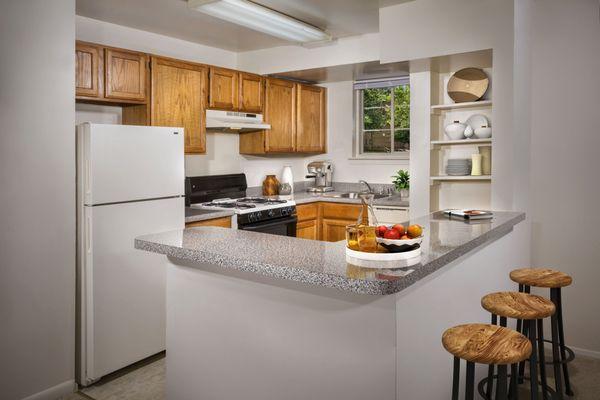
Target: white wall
[37, 199]
[565, 100]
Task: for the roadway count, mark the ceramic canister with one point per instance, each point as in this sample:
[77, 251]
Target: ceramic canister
[288, 177]
[270, 186]
[476, 164]
[486, 159]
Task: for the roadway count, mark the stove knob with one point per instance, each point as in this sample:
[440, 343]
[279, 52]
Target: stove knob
[284, 212]
[258, 215]
[271, 213]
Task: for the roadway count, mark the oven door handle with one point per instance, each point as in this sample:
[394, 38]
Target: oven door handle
[266, 224]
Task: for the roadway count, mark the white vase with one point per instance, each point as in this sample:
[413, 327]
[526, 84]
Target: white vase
[287, 176]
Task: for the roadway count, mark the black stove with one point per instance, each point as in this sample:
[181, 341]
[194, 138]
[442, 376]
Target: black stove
[261, 214]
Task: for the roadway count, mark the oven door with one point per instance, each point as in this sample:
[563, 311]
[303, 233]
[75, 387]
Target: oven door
[281, 226]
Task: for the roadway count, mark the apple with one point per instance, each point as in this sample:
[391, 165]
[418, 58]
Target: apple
[414, 231]
[404, 237]
[381, 230]
[399, 228]
[392, 234]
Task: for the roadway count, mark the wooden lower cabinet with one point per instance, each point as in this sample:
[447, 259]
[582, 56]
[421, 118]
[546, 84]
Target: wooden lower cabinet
[334, 230]
[224, 222]
[325, 221]
[308, 230]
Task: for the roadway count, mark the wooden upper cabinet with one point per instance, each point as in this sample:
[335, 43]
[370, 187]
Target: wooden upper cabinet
[179, 97]
[311, 119]
[125, 75]
[88, 70]
[223, 89]
[251, 92]
[280, 109]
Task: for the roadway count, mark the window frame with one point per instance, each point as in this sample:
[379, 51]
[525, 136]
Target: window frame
[358, 152]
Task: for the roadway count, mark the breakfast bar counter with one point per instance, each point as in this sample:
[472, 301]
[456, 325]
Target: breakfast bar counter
[258, 316]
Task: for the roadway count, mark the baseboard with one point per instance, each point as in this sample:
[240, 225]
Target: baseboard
[577, 351]
[54, 392]
[586, 353]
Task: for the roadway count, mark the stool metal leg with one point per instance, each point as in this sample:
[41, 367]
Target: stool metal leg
[455, 378]
[501, 393]
[555, 351]
[514, 391]
[470, 387]
[533, 378]
[490, 380]
[542, 358]
[525, 332]
[561, 336]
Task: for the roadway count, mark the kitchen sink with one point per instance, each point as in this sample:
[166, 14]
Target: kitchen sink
[352, 195]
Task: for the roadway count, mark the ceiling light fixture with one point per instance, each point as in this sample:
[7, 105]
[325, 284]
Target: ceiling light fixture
[262, 19]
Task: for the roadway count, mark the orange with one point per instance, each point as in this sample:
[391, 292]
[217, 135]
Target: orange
[414, 231]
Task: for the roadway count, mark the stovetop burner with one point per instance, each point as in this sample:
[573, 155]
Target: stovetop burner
[261, 200]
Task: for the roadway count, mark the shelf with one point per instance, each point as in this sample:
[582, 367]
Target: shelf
[461, 178]
[454, 106]
[460, 142]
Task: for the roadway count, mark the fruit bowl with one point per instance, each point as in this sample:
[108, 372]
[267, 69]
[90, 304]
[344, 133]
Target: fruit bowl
[400, 245]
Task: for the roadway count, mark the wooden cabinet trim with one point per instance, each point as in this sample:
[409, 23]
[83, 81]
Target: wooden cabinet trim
[142, 69]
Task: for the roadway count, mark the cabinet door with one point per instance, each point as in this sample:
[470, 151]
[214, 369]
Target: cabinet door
[88, 70]
[311, 119]
[224, 222]
[223, 89]
[125, 75]
[251, 92]
[334, 230]
[280, 109]
[179, 99]
[307, 230]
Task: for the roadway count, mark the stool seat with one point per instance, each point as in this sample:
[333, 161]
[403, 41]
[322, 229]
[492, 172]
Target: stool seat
[518, 305]
[486, 344]
[541, 277]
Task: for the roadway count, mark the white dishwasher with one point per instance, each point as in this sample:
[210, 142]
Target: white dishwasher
[390, 215]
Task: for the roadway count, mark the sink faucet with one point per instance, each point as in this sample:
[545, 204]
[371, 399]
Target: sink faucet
[367, 184]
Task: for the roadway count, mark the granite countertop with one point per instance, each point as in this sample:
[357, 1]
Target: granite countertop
[307, 197]
[195, 214]
[324, 263]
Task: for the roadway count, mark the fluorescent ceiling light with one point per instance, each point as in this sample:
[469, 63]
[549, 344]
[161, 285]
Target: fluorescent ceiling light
[262, 19]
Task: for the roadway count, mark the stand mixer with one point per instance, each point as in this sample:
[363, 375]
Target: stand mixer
[321, 171]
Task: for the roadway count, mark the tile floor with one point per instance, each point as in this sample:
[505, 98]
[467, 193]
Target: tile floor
[147, 382]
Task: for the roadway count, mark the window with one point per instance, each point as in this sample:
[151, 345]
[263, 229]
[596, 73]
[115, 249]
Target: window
[382, 118]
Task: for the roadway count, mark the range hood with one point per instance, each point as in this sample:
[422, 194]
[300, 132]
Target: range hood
[234, 122]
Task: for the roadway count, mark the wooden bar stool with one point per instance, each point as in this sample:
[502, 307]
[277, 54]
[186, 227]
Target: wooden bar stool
[555, 281]
[486, 344]
[532, 310]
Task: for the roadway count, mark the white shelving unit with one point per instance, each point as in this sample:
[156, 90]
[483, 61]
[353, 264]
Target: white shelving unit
[448, 191]
[457, 106]
[462, 142]
[461, 178]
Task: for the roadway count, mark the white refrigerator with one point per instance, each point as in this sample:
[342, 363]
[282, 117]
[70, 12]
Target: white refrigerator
[130, 182]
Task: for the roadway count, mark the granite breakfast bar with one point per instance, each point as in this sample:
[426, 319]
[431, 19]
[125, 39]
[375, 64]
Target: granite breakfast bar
[259, 316]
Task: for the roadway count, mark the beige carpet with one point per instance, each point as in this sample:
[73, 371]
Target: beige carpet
[147, 382]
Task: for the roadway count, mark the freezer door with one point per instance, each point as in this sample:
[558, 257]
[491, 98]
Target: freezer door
[122, 314]
[118, 163]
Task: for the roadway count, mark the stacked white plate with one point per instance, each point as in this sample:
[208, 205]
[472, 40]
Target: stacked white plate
[458, 167]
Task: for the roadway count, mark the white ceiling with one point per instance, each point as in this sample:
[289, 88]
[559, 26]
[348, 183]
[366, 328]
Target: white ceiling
[173, 18]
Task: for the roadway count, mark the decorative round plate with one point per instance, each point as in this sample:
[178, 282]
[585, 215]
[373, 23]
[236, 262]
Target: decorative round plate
[468, 84]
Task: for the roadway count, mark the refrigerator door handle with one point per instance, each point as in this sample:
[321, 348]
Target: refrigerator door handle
[88, 241]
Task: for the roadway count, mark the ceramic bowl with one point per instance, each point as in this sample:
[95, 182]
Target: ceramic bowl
[455, 131]
[483, 132]
[400, 245]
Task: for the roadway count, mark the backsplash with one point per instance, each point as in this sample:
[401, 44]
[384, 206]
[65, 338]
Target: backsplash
[302, 186]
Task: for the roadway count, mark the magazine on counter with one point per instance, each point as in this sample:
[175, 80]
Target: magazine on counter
[470, 214]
